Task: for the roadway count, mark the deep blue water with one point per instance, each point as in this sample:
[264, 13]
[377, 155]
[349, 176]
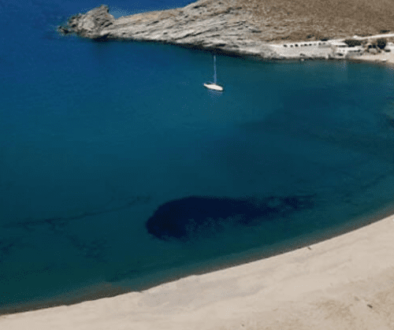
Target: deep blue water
[118, 170]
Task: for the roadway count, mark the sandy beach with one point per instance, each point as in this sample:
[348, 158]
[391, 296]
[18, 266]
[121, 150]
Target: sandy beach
[346, 282]
[386, 58]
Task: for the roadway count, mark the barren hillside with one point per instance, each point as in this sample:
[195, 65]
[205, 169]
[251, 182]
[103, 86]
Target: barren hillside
[303, 19]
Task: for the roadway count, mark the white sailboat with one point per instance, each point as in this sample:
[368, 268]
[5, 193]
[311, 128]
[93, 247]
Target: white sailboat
[214, 86]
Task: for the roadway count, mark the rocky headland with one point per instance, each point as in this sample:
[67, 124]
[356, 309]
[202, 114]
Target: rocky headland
[246, 28]
[205, 24]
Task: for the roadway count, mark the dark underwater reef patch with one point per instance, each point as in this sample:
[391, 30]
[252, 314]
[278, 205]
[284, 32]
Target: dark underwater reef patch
[190, 217]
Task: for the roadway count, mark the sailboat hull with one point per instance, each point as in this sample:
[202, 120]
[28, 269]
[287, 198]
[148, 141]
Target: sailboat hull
[214, 87]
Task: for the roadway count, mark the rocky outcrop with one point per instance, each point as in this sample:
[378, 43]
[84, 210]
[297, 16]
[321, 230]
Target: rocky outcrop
[92, 23]
[205, 24]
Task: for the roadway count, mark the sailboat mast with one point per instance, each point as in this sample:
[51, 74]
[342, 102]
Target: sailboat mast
[214, 69]
[214, 86]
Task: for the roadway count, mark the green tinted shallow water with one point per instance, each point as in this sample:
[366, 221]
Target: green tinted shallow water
[96, 137]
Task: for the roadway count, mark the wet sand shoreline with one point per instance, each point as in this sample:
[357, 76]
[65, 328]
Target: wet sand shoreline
[346, 282]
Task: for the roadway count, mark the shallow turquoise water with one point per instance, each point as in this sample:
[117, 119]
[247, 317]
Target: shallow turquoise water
[95, 137]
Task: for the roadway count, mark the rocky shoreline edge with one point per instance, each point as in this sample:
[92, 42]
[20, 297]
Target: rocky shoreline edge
[201, 25]
[205, 24]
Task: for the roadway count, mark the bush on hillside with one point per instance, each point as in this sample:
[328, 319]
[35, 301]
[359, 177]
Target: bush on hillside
[381, 43]
[353, 42]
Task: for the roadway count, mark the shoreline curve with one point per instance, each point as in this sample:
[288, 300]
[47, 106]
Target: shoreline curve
[346, 282]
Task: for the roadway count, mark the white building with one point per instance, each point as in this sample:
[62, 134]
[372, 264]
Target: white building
[390, 46]
[340, 48]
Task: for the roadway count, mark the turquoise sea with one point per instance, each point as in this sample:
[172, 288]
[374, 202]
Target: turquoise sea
[119, 171]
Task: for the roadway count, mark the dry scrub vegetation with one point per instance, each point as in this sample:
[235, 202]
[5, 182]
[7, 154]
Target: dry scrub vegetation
[316, 19]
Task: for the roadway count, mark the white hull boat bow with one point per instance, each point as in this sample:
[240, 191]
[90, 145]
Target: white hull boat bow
[214, 87]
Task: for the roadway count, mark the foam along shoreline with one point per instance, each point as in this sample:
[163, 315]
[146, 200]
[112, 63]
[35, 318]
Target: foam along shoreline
[346, 282]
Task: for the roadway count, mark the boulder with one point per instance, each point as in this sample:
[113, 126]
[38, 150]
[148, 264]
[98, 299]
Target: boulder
[63, 30]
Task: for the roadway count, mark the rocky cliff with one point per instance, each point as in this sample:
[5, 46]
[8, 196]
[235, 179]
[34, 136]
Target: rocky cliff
[206, 24]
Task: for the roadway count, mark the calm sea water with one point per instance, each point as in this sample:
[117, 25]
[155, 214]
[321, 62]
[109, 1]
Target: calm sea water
[99, 139]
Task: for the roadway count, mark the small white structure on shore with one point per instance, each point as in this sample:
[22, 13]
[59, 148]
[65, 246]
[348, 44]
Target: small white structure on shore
[340, 48]
[319, 44]
[318, 49]
[389, 46]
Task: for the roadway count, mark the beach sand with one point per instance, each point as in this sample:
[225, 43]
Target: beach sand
[346, 282]
[386, 58]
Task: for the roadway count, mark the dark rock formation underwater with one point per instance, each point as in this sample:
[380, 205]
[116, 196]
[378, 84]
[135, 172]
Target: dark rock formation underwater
[190, 217]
